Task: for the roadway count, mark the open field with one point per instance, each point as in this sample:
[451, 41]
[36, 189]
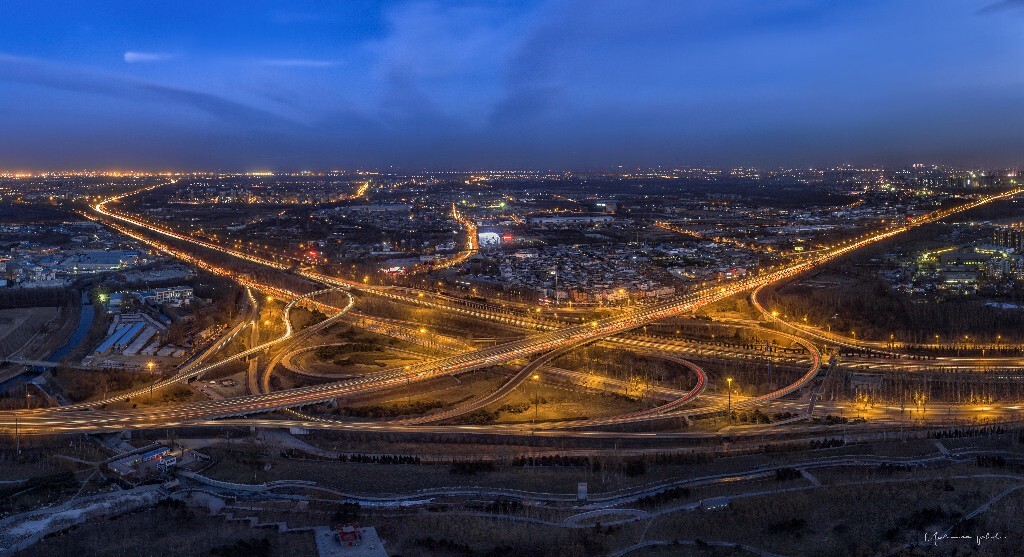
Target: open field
[863, 509]
[858, 520]
[19, 326]
[171, 528]
[356, 361]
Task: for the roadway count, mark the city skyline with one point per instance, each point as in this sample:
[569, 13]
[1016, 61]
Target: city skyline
[498, 278]
[531, 85]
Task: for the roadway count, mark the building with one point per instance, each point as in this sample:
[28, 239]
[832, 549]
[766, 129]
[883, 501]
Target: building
[730, 273]
[569, 219]
[714, 503]
[13, 270]
[349, 535]
[115, 301]
[161, 295]
[165, 463]
[129, 464]
[380, 208]
[960, 281]
[489, 238]
[95, 261]
[1009, 238]
[354, 541]
[962, 260]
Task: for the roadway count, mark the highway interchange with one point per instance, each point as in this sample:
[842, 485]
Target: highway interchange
[546, 340]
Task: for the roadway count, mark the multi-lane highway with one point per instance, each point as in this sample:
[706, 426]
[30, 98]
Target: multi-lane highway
[540, 343]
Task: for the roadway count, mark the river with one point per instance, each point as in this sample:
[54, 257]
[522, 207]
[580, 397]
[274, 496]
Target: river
[85, 319]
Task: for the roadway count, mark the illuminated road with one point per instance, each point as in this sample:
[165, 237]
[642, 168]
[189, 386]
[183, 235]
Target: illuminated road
[527, 372]
[195, 370]
[71, 420]
[472, 242]
[891, 348]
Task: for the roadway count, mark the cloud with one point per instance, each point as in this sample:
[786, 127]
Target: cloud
[527, 103]
[133, 57]
[440, 62]
[1001, 6]
[31, 71]
[433, 40]
[299, 63]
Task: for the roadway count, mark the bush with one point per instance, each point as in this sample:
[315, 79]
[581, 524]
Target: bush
[256, 547]
[392, 410]
[663, 497]
[634, 467]
[470, 467]
[793, 526]
[443, 545]
[346, 513]
[786, 474]
[332, 352]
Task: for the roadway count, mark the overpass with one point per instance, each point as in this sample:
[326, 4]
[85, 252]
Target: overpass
[71, 418]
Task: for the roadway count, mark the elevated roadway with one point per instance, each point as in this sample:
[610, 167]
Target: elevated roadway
[50, 420]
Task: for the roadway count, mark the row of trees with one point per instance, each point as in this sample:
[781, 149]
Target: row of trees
[868, 309]
[912, 390]
[863, 305]
[36, 297]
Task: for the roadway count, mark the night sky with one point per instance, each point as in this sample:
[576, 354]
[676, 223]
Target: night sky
[543, 84]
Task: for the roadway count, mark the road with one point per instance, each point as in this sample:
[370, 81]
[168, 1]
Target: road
[194, 370]
[56, 420]
[527, 372]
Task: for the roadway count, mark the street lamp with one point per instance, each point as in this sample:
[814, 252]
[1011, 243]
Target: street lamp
[150, 366]
[728, 413]
[408, 385]
[536, 407]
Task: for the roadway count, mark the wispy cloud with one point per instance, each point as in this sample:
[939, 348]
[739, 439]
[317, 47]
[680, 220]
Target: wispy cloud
[299, 63]
[1001, 6]
[33, 71]
[134, 57]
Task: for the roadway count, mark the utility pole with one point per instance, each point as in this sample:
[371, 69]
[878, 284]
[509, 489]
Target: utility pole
[728, 414]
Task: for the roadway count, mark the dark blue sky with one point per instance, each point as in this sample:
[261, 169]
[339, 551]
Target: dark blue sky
[535, 84]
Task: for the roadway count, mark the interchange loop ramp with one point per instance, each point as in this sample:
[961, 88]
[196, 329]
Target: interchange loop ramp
[194, 370]
[47, 420]
[525, 373]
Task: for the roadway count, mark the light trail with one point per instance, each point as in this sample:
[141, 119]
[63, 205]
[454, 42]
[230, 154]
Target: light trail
[55, 421]
[472, 242]
[193, 370]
